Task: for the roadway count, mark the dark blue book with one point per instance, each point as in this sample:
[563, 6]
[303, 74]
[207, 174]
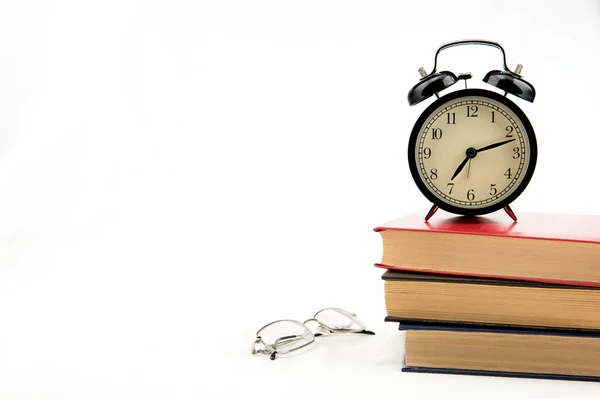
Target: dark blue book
[503, 352]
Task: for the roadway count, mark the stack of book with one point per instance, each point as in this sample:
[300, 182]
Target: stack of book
[485, 295]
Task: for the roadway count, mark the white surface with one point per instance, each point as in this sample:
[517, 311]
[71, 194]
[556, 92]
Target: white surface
[174, 175]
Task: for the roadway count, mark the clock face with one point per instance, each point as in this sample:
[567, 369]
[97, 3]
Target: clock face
[472, 152]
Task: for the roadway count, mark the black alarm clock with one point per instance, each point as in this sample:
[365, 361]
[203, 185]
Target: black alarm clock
[472, 151]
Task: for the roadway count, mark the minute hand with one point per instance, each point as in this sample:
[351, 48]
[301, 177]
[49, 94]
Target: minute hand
[489, 147]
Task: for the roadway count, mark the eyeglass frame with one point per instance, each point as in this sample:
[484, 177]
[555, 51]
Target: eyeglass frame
[322, 329]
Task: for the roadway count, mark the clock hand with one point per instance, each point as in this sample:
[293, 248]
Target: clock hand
[472, 153]
[460, 167]
[469, 168]
[489, 147]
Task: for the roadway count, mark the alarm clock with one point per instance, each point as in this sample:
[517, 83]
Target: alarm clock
[472, 151]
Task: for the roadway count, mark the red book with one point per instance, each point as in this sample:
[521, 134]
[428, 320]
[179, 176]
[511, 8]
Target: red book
[551, 248]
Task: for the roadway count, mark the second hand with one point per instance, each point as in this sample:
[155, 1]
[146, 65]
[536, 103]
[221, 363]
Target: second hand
[469, 168]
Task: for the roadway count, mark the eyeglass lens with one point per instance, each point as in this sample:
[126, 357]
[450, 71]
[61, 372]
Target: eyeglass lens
[339, 319]
[286, 335]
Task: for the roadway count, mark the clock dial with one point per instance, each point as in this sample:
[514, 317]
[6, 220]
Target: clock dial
[473, 151]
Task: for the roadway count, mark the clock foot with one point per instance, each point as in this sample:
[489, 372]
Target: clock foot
[433, 210]
[510, 212]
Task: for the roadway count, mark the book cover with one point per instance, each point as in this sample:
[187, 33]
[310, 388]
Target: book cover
[537, 226]
[547, 248]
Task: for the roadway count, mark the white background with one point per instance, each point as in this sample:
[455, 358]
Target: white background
[174, 175]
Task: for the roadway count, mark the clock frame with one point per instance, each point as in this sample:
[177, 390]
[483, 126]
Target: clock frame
[504, 202]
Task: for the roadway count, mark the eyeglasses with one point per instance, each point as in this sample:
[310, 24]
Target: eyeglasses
[284, 336]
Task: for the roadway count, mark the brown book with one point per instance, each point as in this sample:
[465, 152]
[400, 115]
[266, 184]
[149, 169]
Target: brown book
[507, 352]
[562, 249]
[453, 299]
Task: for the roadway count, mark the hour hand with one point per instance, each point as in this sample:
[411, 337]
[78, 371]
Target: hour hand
[460, 167]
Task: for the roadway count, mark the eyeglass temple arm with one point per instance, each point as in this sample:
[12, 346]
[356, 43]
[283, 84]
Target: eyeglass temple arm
[287, 340]
[329, 330]
[280, 341]
[343, 331]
